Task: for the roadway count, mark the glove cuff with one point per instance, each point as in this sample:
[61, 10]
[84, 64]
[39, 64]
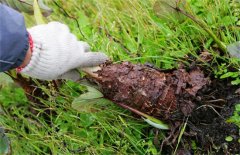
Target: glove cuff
[40, 62]
[30, 42]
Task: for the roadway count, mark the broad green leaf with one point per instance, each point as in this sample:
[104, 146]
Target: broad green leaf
[229, 138]
[157, 124]
[238, 23]
[237, 107]
[164, 9]
[89, 101]
[235, 119]
[235, 82]
[4, 143]
[26, 6]
[230, 74]
[5, 79]
[37, 13]
[234, 49]
[154, 122]
[44, 8]
[91, 94]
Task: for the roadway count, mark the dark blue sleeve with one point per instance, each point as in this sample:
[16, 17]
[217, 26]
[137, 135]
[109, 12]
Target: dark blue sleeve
[13, 38]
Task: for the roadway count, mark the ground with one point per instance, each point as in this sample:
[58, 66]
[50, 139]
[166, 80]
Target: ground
[132, 30]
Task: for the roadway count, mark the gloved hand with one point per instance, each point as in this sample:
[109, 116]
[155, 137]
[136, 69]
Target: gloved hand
[57, 53]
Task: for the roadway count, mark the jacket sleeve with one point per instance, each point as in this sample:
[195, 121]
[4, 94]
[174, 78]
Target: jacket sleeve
[13, 38]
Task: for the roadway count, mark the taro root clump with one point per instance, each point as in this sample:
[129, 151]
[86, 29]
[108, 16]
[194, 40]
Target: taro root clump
[172, 95]
[148, 90]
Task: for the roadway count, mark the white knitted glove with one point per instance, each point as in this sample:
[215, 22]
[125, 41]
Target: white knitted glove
[57, 53]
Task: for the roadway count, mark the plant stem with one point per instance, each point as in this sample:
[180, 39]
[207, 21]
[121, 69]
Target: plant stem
[161, 124]
[202, 24]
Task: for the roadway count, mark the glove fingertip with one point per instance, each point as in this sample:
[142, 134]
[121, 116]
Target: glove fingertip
[96, 58]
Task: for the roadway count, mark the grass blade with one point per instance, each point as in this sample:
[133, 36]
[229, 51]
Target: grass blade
[37, 13]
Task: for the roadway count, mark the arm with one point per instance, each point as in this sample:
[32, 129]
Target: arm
[54, 53]
[13, 39]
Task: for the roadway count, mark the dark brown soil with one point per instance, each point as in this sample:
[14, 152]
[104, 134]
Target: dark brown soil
[174, 96]
[208, 120]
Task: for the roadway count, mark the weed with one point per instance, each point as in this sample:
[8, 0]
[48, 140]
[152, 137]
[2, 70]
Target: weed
[236, 116]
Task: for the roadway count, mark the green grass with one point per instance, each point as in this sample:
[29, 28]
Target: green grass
[66, 131]
[126, 30]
